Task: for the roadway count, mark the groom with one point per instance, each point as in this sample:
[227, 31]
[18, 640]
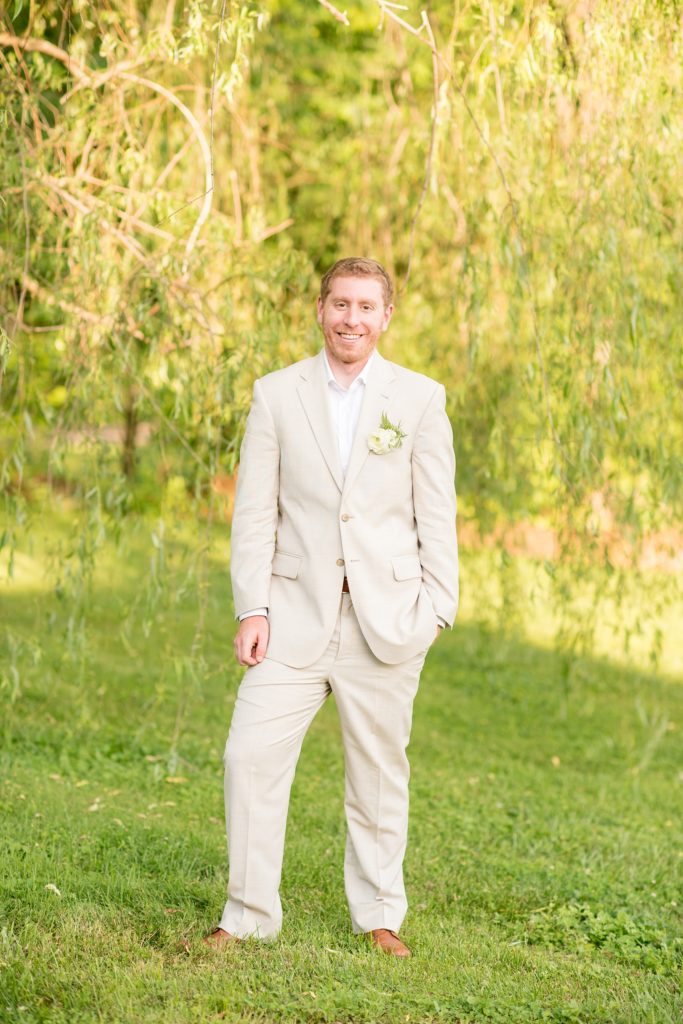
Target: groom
[344, 571]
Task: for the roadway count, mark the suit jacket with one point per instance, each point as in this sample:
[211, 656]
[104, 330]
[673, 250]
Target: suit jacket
[299, 525]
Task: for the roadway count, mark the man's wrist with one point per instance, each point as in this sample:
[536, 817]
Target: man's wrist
[252, 612]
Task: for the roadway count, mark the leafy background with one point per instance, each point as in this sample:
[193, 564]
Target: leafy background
[176, 177]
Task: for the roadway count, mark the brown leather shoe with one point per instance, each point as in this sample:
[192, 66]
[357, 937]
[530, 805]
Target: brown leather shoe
[388, 942]
[219, 938]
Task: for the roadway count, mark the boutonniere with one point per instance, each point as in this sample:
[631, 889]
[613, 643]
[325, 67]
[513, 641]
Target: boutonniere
[386, 438]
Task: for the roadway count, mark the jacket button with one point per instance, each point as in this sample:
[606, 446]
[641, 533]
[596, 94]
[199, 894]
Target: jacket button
[345, 518]
[340, 561]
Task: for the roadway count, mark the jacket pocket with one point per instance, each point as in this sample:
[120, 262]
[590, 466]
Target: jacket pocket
[406, 567]
[286, 565]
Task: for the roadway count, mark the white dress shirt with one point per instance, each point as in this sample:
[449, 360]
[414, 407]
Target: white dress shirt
[344, 405]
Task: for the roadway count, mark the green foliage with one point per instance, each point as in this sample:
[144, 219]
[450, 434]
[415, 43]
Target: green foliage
[386, 424]
[5, 349]
[125, 314]
[176, 177]
[576, 926]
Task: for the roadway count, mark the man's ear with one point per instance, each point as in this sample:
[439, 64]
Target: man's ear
[320, 310]
[388, 313]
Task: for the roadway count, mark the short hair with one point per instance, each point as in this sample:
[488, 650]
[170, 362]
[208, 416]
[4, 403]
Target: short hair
[358, 266]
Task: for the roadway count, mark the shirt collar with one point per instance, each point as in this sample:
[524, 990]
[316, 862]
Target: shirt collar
[362, 376]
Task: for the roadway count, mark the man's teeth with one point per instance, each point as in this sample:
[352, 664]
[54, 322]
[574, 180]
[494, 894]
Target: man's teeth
[349, 337]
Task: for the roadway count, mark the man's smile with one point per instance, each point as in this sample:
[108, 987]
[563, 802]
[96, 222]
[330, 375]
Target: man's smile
[349, 337]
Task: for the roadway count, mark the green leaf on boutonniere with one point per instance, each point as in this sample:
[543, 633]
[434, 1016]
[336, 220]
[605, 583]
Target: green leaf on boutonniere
[386, 424]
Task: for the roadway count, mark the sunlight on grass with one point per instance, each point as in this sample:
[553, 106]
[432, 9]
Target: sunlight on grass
[21, 573]
[544, 848]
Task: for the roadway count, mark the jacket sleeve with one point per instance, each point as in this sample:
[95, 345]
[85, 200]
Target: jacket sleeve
[434, 502]
[254, 521]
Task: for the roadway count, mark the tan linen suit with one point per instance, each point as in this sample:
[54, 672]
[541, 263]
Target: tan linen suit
[299, 526]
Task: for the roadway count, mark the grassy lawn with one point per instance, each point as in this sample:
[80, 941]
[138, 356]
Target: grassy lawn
[543, 866]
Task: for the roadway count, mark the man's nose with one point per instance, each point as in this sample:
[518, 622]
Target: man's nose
[352, 318]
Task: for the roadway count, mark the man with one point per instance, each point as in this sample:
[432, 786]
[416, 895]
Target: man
[344, 570]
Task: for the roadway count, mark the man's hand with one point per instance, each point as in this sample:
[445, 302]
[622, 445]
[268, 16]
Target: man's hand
[439, 631]
[251, 641]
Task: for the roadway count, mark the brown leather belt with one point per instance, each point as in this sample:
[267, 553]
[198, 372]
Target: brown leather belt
[345, 586]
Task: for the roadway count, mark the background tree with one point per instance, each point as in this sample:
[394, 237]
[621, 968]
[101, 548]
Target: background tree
[177, 176]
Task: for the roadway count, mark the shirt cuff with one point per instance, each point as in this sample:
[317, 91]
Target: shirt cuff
[254, 611]
[441, 622]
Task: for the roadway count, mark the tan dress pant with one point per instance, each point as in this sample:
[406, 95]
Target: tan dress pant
[274, 707]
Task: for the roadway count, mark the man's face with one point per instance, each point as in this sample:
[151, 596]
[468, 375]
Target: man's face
[352, 318]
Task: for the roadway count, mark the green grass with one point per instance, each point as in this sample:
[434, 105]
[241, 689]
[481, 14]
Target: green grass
[544, 858]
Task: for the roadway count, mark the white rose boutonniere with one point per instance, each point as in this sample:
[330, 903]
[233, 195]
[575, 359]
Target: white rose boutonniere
[386, 438]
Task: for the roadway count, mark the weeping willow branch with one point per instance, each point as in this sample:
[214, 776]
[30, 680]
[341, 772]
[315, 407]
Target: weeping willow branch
[339, 15]
[88, 79]
[27, 256]
[131, 244]
[30, 45]
[428, 40]
[47, 297]
[430, 153]
[206, 157]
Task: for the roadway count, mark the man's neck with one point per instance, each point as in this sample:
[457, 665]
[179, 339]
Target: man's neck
[346, 373]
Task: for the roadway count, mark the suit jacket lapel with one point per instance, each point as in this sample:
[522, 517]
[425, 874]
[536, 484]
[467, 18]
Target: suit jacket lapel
[312, 391]
[377, 392]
